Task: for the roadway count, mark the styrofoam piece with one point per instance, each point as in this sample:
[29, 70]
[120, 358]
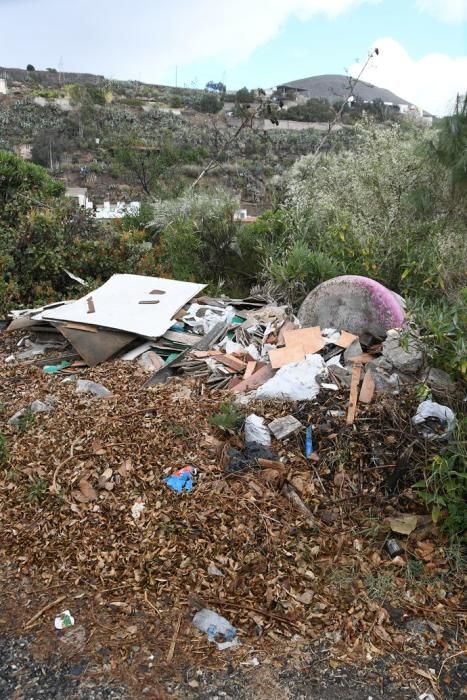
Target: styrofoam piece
[133, 303]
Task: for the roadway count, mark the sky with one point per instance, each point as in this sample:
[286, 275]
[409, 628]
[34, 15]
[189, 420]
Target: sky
[257, 43]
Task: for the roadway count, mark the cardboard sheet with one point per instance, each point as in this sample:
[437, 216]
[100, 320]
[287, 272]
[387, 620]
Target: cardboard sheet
[309, 338]
[346, 339]
[122, 304]
[284, 356]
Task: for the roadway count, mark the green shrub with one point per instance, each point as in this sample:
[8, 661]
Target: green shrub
[444, 488]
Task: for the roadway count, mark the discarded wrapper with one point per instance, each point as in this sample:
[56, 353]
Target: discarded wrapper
[215, 626]
[65, 619]
[181, 479]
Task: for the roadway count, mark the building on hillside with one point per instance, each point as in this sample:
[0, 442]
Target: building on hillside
[110, 211]
[3, 86]
[80, 194]
[241, 215]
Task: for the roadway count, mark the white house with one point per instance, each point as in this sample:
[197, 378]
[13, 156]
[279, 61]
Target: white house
[116, 211]
[80, 194]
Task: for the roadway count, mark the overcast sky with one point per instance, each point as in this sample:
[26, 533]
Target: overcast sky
[423, 43]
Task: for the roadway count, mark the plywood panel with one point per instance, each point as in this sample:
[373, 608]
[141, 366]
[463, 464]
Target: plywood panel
[122, 304]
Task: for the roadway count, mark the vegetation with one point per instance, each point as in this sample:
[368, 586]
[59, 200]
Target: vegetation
[229, 418]
[444, 486]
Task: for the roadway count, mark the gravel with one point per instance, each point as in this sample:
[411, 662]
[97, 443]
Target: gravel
[24, 678]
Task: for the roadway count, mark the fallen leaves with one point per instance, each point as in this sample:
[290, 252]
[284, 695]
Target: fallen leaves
[86, 492]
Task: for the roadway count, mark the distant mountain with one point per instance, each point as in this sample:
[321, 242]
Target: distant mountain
[336, 87]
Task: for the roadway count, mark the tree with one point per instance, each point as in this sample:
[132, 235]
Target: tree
[30, 67]
[51, 70]
[450, 146]
[48, 148]
[244, 96]
[151, 165]
[215, 87]
[209, 103]
[37, 226]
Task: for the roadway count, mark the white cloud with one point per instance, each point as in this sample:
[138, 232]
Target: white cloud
[446, 10]
[146, 38]
[431, 82]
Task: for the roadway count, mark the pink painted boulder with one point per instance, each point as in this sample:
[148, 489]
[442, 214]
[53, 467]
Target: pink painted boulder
[353, 303]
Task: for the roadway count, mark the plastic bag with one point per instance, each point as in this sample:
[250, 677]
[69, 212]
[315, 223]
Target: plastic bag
[215, 625]
[439, 414]
[296, 381]
[257, 431]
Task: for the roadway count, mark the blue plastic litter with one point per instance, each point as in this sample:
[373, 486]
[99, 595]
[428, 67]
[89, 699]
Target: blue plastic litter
[308, 442]
[180, 480]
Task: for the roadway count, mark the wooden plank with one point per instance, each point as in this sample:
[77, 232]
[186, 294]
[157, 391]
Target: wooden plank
[368, 388]
[250, 369]
[309, 338]
[181, 338]
[346, 339]
[81, 327]
[257, 379]
[230, 361]
[284, 356]
[356, 372]
[98, 347]
[362, 359]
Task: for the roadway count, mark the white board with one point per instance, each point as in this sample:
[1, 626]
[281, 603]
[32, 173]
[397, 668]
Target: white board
[117, 304]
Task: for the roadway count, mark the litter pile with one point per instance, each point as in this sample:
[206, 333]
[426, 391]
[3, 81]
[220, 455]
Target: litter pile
[252, 501]
[249, 346]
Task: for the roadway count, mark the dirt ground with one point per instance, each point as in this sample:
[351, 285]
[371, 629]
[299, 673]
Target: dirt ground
[321, 609]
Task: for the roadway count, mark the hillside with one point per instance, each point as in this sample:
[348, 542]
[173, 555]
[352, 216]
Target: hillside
[75, 124]
[336, 88]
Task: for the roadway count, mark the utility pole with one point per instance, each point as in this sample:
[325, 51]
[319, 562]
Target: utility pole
[176, 76]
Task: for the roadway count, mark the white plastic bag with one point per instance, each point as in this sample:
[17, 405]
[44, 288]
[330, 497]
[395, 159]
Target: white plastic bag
[215, 625]
[296, 381]
[431, 409]
[256, 430]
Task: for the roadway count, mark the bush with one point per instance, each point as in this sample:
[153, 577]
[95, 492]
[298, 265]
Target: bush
[383, 210]
[444, 487]
[208, 103]
[37, 224]
[200, 241]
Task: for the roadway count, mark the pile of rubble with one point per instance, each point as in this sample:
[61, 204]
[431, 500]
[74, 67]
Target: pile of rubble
[343, 337]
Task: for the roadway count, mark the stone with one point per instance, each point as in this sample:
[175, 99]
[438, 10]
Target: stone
[283, 427]
[36, 406]
[355, 304]
[353, 350]
[438, 380]
[386, 383]
[404, 352]
[85, 386]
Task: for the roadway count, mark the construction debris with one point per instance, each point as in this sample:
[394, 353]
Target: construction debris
[283, 427]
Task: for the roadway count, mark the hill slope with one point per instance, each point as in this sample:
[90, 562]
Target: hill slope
[336, 87]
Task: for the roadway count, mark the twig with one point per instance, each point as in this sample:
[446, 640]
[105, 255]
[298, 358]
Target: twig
[448, 658]
[43, 610]
[174, 638]
[260, 611]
